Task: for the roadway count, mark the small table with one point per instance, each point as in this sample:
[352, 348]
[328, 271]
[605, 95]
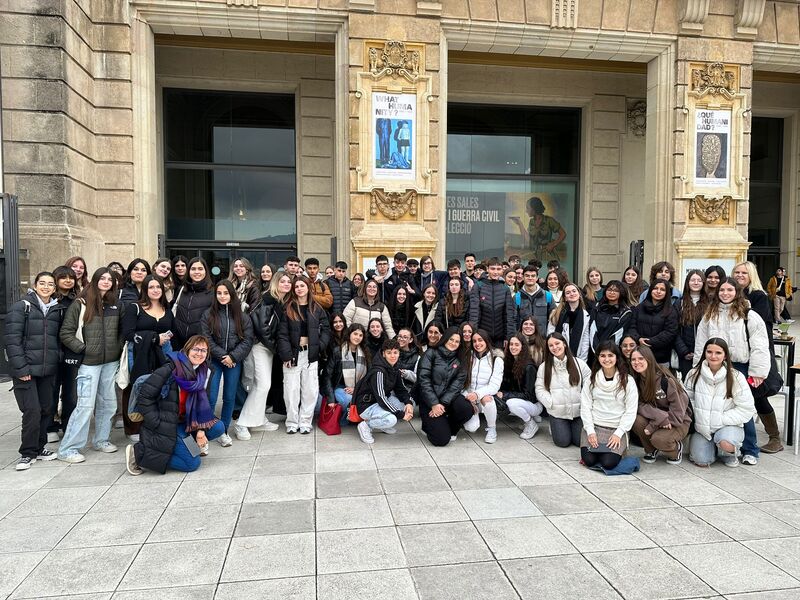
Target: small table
[791, 373]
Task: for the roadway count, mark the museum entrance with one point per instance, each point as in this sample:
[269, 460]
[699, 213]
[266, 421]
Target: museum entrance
[220, 257]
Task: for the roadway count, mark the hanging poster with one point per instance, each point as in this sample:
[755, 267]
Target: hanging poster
[712, 153]
[394, 120]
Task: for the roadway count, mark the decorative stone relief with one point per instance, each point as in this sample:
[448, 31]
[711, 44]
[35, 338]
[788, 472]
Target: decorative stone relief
[637, 117]
[250, 3]
[714, 79]
[709, 210]
[394, 61]
[693, 15]
[393, 204]
[564, 14]
[749, 14]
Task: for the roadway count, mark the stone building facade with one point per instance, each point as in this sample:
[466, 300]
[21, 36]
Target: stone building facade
[667, 97]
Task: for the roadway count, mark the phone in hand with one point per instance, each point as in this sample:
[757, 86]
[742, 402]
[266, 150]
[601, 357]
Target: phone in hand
[169, 334]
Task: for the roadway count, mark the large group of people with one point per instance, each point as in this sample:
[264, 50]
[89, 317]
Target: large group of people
[154, 349]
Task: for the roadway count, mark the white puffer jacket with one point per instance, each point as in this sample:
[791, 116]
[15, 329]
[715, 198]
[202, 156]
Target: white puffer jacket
[732, 330]
[604, 404]
[563, 401]
[712, 409]
[487, 374]
[585, 340]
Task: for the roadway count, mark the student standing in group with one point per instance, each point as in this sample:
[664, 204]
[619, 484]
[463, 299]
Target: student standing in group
[180, 271]
[64, 383]
[376, 335]
[663, 271]
[267, 273]
[611, 315]
[440, 378]
[571, 319]
[534, 339]
[428, 275]
[78, 266]
[432, 336]
[400, 276]
[484, 377]
[593, 289]
[409, 357]
[632, 277]
[425, 311]
[559, 383]
[162, 268]
[276, 298]
[321, 292]
[342, 289]
[367, 306]
[779, 289]
[137, 270]
[303, 332]
[358, 281]
[655, 321]
[230, 337]
[518, 389]
[690, 308]
[98, 314]
[457, 306]
[713, 276]
[532, 299]
[608, 409]
[722, 403]
[193, 300]
[554, 283]
[470, 260]
[32, 348]
[401, 308]
[664, 414]
[497, 314]
[244, 282]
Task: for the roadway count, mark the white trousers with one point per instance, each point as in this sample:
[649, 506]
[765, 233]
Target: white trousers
[524, 409]
[300, 389]
[252, 414]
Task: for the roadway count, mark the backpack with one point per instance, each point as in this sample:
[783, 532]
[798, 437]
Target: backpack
[133, 412]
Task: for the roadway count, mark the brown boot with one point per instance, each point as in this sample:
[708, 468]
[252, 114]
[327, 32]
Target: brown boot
[771, 425]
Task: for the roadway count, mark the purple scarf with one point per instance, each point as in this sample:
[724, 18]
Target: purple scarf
[199, 414]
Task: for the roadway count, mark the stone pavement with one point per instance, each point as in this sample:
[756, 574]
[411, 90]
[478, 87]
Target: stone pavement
[328, 517]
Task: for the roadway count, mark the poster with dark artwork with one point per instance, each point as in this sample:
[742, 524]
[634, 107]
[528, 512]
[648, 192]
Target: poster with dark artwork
[712, 152]
[394, 119]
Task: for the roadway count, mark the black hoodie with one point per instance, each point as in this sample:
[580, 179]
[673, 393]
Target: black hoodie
[378, 385]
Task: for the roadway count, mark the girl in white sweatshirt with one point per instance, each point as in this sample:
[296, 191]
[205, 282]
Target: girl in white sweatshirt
[608, 409]
[484, 378]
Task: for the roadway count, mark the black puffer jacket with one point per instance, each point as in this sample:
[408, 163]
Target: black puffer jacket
[511, 388]
[31, 338]
[194, 300]
[159, 428]
[129, 293]
[496, 310]
[227, 342]
[342, 292]
[470, 311]
[319, 332]
[102, 336]
[440, 376]
[609, 322]
[265, 321]
[659, 326]
[381, 382]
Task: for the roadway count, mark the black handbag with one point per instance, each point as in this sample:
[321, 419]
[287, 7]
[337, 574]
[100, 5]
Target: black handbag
[773, 383]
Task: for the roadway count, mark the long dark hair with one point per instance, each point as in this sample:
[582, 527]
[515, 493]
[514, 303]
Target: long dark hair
[235, 307]
[621, 366]
[455, 309]
[667, 301]
[178, 281]
[438, 326]
[188, 280]
[625, 298]
[649, 382]
[535, 343]
[515, 366]
[691, 313]
[403, 313]
[338, 338]
[95, 302]
[694, 374]
[572, 365]
[144, 300]
[363, 345]
[473, 355]
[131, 265]
[639, 285]
[293, 311]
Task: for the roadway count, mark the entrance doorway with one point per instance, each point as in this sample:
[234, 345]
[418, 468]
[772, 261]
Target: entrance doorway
[766, 175]
[220, 257]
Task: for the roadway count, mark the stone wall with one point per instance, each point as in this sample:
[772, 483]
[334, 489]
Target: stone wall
[311, 77]
[67, 127]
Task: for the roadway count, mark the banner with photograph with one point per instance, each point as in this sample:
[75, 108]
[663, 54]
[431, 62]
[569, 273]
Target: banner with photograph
[537, 224]
[394, 121]
[712, 153]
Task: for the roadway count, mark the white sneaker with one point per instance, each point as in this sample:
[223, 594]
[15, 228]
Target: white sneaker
[106, 447]
[491, 435]
[119, 424]
[473, 424]
[530, 429]
[538, 418]
[749, 459]
[52, 437]
[75, 457]
[389, 430]
[204, 449]
[134, 438]
[242, 433]
[365, 433]
[225, 440]
[267, 426]
[453, 438]
[46, 455]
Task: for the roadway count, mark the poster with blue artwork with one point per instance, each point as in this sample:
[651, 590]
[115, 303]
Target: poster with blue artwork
[394, 118]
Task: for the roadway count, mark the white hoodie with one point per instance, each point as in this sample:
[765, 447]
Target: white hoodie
[605, 405]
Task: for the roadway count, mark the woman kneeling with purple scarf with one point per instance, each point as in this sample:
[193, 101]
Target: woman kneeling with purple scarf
[178, 419]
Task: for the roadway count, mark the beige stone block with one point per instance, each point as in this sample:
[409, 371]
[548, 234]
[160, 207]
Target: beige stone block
[316, 146]
[40, 7]
[354, 157]
[602, 174]
[104, 11]
[34, 62]
[788, 23]
[301, 3]
[317, 205]
[538, 12]
[116, 228]
[590, 14]
[605, 192]
[23, 126]
[34, 158]
[610, 102]
[722, 7]
[114, 148]
[333, 4]
[358, 207]
[317, 245]
[483, 10]
[767, 30]
[354, 132]
[45, 189]
[318, 88]
[604, 210]
[317, 107]
[408, 28]
[603, 228]
[455, 9]
[511, 11]
[605, 139]
[32, 94]
[396, 7]
[718, 26]
[642, 15]
[114, 176]
[113, 121]
[316, 186]
[710, 50]
[605, 157]
[113, 94]
[666, 17]
[605, 245]
[432, 60]
[112, 38]
[116, 204]
[316, 167]
[603, 119]
[615, 14]
[30, 30]
[324, 67]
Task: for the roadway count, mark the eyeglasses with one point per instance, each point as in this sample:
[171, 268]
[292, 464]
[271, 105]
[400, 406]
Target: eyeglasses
[46, 284]
[199, 350]
[403, 337]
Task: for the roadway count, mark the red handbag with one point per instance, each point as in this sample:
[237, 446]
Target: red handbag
[329, 418]
[352, 414]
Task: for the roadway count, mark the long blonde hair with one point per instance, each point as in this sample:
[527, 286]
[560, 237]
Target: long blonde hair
[752, 272]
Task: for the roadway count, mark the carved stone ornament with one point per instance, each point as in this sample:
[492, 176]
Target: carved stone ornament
[709, 210]
[394, 61]
[393, 204]
[714, 79]
[637, 117]
[693, 15]
[250, 3]
[565, 14]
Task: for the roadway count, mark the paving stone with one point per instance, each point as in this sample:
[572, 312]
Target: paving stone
[283, 464]
[271, 589]
[170, 564]
[122, 498]
[30, 534]
[279, 488]
[266, 518]
[783, 553]
[418, 479]
[497, 504]
[743, 521]
[192, 592]
[673, 526]
[593, 532]
[60, 501]
[16, 567]
[359, 550]
[629, 495]
[396, 584]
[84, 475]
[535, 474]
[356, 460]
[353, 513]
[563, 499]
[354, 483]
[523, 538]
[443, 543]
[558, 578]
[476, 581]
[693, 491]
[195, 523]
[401, 458]
[475, 477]
[270, 557]
[426, 507]
[111, 529]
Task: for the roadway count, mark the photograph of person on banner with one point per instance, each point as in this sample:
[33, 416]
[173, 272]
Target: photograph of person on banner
[543, 234]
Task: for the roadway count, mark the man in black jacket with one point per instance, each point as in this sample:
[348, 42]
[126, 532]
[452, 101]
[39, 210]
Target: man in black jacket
[496, 310]
[342, 289]
[400, 276]
[380, 396]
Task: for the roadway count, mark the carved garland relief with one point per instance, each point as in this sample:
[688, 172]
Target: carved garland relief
[709, 210]
[393, 204]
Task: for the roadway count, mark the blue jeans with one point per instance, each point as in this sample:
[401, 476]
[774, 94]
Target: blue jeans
[705, 452]
[750, 444]
[231, 377]
[377, 418]
[182, 459]
[343, 399]
[95, 392]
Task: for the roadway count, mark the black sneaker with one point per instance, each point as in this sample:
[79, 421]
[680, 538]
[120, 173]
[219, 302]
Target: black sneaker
[679, 458]
[46, 454]
[651, 457]
[25, 463]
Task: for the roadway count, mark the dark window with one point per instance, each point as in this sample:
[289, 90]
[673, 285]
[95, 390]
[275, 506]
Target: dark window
[766, 171]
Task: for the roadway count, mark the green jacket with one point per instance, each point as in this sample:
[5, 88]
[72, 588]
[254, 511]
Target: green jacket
[102, 336]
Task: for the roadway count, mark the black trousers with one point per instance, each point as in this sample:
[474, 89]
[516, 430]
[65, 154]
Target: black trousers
[439, 429]
[34, 398]
[63, 383]
[607, 460]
